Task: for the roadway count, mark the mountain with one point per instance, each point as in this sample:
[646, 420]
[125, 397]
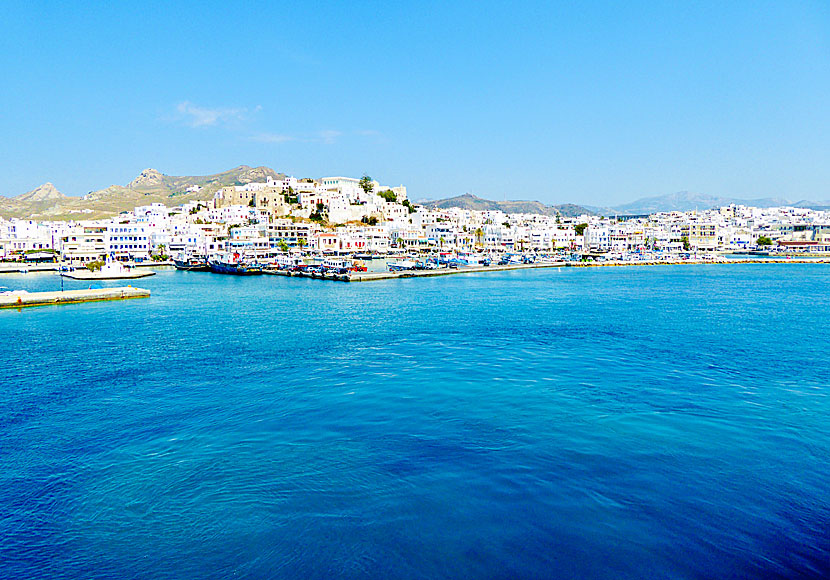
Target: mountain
[46, 192]
[689, 201]
[150, 186]
[469, 201]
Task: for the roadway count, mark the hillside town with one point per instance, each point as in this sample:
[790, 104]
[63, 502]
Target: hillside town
[343, 215]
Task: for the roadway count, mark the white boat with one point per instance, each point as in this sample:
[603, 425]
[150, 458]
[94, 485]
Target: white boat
[109, 271]
[337, 265]
[287, 262]
[402, 265]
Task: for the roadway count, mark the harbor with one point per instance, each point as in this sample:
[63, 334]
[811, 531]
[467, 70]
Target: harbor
[354, 276]
[23, 299]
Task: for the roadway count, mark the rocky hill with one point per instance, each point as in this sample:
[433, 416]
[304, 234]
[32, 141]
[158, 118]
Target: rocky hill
[151, 186]
[46, 192]
[469, 201]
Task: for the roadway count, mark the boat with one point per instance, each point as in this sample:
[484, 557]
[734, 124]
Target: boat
[287, 262]
[336, 265]
[191, 263]
[233, 264]
[109, 271]
[402, 265]
[342, 265]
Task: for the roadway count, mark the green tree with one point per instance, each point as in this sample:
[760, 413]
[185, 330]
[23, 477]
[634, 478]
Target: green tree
[366, 184]
[282, 245]
[479, 236]
[580, 229]
[686, 245]
[764, 241]
[319, 214]
[388, 195]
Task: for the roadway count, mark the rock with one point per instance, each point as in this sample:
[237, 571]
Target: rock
[46, 192]
[147, 178]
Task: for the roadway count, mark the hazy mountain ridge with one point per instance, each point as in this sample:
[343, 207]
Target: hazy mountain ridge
[690, 201]
[151, 186]
[471, 202]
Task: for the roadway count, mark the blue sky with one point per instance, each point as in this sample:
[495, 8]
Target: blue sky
[584, 102]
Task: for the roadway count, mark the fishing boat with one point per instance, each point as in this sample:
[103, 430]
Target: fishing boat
[190, 263]
[233, 264]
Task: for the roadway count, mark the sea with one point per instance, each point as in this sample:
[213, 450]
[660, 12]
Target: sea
[618, 422]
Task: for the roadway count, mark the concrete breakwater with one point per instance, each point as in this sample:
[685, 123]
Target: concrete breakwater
[26, 299]
[374, 276]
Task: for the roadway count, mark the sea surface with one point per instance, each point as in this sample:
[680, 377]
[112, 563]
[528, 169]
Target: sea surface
[640, 422]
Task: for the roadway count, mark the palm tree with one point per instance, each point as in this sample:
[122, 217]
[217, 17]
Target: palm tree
[479, 235]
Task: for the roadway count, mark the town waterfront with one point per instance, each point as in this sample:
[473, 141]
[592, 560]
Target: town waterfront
[574, 422]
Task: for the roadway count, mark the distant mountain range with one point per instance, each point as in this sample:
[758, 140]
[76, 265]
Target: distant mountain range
[689, 201]
[682, 201]
[469, 201]
[151, 186]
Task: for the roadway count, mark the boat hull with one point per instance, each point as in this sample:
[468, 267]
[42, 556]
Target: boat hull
[191, 266]
[234, 269]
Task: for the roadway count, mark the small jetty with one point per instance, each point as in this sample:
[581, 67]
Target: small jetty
[21, 299]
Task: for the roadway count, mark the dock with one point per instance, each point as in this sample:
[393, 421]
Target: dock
[26, 299]
[26, 267]
[373, 276]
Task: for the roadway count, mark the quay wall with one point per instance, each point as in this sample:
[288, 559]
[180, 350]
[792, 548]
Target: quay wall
[26, 299]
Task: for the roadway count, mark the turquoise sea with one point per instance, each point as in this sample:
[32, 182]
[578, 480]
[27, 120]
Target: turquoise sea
[642, 422]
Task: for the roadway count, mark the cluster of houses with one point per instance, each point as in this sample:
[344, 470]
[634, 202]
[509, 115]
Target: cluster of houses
[348, 215]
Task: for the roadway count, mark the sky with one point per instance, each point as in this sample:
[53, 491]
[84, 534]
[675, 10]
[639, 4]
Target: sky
[583, 102]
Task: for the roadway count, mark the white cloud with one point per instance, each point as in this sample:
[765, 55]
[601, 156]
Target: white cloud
[196, 116]
[272, 138]
[329, 136]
